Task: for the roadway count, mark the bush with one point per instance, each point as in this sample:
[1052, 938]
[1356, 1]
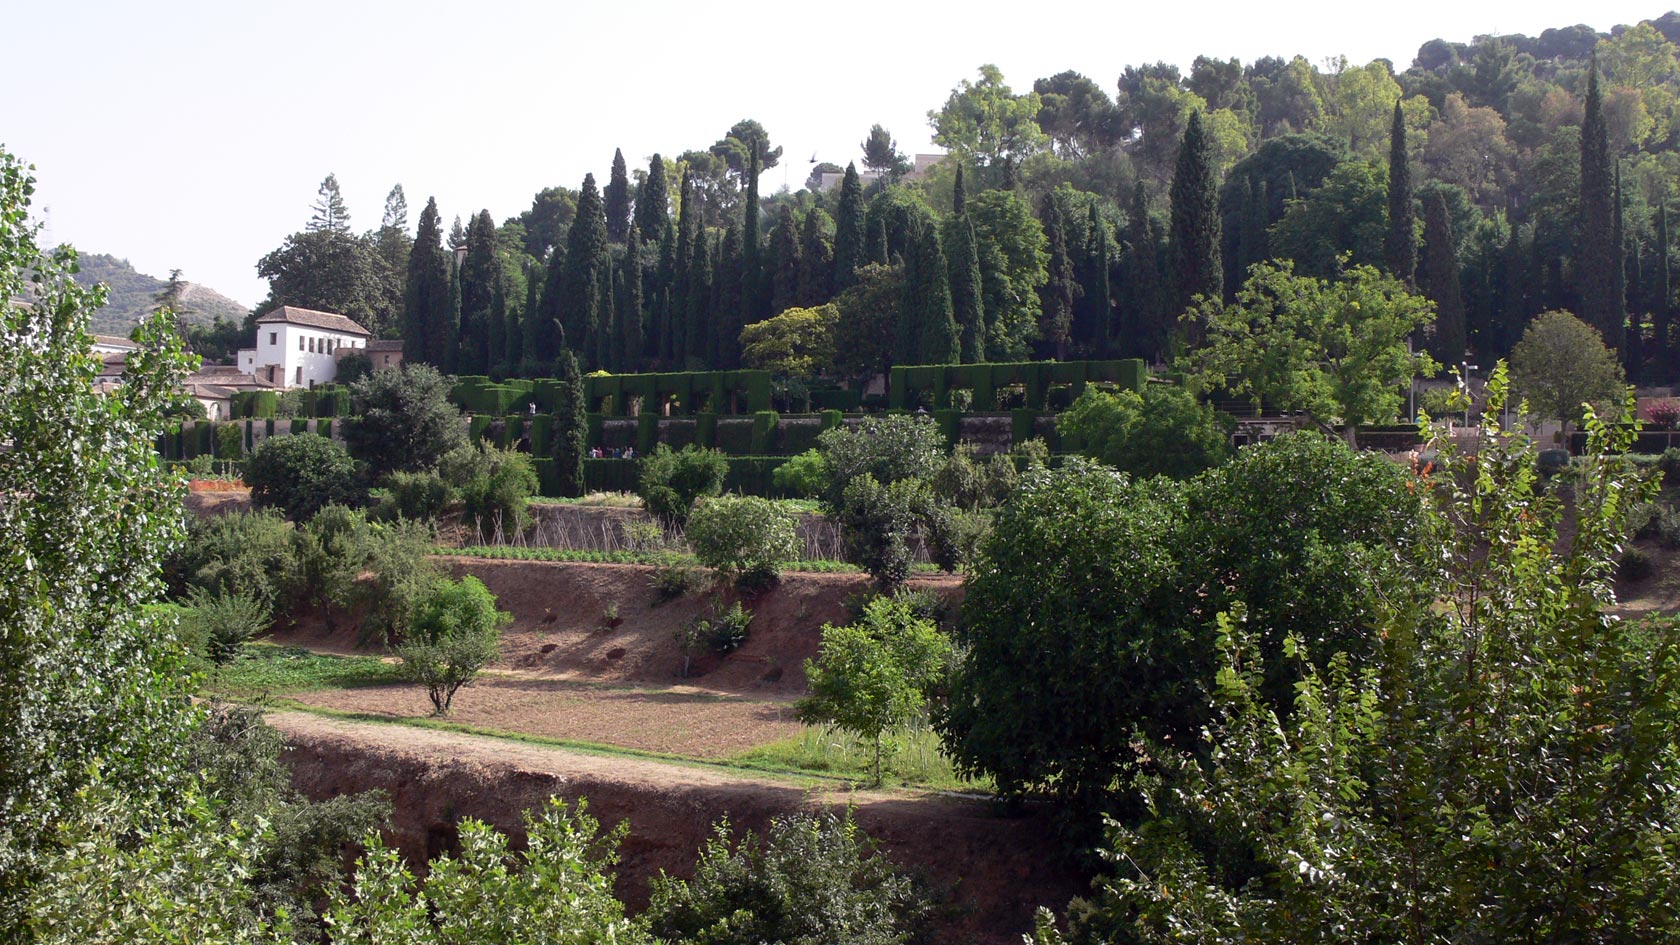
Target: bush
[301, 473]
[495, 485]
[230, 441]
[419, 496]
[224, 622]
[243, 552]
[407, 420]
[1165, 431]
[804, 476]
[812, 879]
[1635, 565]
[877, 524]
[455, 632]
[875, 675]
[669, 482]
[720, 633]
[673, 578]
[353, 367]
[743, 538]
[888, 449]
[395, 575]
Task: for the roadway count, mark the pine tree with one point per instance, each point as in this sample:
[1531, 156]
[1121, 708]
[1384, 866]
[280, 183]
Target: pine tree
[653, 203]
[427, 334]
[1194, 239]
[395, 216]
[728, 302]
[1400, 242]
[1057, 296]
[457, 235]
[1440, 281]
[571, 426]
[927, 330]
[630, 317]
[479, 274]
[1095, 307]
[586, 258]
[330, 214]
[850, 239]
[784, 257]
[959, 195]
[615, 199]
[1600, 255]
[967, 305]
[1662, 345]
[816, 259]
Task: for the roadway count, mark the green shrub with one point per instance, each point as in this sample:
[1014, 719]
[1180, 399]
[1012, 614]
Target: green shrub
[672, 578]
[744, 538]
[887, 448]
[243, 552]
[230, 441]
[407, 420]
[1163, 431]
[877, 524]
[720, 633]
[419, 496]
[301, 473]
[495, 486]
[804, 476]
[669, 482]
[396, 573]
[1635, 565]
[455, 631]
[225, 621]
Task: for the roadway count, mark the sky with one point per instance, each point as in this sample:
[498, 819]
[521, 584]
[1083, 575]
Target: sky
[194, 136]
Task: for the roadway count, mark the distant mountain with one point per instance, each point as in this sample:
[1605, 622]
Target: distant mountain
[133, 294]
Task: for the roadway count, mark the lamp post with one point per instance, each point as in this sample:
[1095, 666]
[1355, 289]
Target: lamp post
[1464, 378]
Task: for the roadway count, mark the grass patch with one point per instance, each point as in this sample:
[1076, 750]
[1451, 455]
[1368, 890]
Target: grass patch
[529, 553]
[263, 669]
[917, 762]
[608, 500]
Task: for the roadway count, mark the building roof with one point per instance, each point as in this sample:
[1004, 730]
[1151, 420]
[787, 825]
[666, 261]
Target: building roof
[326, 321]
[114, 341]
[235, 381]
[113, 364]
[385, 344]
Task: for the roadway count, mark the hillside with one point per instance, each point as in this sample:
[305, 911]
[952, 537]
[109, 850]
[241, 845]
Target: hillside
[134, 293]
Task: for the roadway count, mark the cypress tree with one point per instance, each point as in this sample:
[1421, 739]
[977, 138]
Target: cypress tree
[755, 287]
[1056, 315]
[1633, 353]
[586, 258]
[603, 328]
[498, 328]
[479, 274]
[1400, 242]
[699, 330]
[615, 199]
[519, 323]
[653, 202]
[451, 345]
[662, 345]
[728, 302]
[850, 239]
[630, 318]
[1142, 327]
[677, 349]
[571, 426]
[1194, 239]
[427, 335]
[878, 242]
[1256, 218]
[1095, 305]
[959, 195]
[1440, 281]
[1600, 256]
[967, 307]
[784, 255]
[1662, 346]
[927, 332]
[816, 259]
[545, 334]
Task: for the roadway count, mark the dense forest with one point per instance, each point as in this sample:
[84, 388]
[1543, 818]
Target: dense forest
[1501, 178]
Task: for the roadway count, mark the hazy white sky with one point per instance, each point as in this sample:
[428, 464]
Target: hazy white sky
[193, 135]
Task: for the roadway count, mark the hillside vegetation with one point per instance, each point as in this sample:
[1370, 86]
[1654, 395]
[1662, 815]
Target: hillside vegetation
[134, 294]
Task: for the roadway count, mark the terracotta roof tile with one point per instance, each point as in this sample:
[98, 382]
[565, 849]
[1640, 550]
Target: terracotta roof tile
[325, 321]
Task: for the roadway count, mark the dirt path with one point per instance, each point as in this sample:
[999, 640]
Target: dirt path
[997, 870]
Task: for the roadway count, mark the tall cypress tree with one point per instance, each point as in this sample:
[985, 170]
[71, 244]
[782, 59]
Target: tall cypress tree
[1600, 255]
[1440, 281]
[1194, 238]
[586, 258]
[661, 345]
[677, 347]
[1142, 327]
[427, 334]
[451, 345]
[816, 259]
[850, 239]
[519, 323]
[545, 334]
[499, 328]
[1662, 346]
[630, 317]
[967, 305]
[784, 255]
[603, 329]
[1633, 348]
[1095, 307]
[878, 242]
[615, 199]
[479, 274]
[927, 332]
[728, 302]
[959, 195]
[1057, 296]
[699, 329]
[755, 277]
[571, 426]
[1400, 242]
[653, 202]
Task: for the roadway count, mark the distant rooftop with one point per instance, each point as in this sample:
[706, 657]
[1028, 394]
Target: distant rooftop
[326, 321]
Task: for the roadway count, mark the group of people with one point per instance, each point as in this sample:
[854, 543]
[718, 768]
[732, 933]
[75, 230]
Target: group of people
[627, 452]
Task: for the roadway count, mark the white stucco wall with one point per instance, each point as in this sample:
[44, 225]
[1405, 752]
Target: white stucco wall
[289, 347]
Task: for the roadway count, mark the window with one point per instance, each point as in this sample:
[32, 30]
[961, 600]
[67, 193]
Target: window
[300, 342]
[273, 337]
[299, 375]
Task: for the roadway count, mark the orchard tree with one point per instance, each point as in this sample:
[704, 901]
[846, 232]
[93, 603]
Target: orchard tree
[455, 631]
[1164, 430]
[301, 474]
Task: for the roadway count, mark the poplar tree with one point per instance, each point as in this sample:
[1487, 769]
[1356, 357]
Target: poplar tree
[1599, 251]
[615, 199]
[428, 335]
[784, 256]
[586, 258]
[1194, 238]
[479, 274]
[816, 259]
[1400, 242]
[1440, 282]
[927, 330]
[571, 426]
[967, 306]
[1095, 302]
[653, 202]
[850, 239]
[1662, 345]
[1057, 296]
[630, 317]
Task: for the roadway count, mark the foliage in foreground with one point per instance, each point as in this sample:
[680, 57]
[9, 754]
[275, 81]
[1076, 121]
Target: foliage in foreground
[1504, 769]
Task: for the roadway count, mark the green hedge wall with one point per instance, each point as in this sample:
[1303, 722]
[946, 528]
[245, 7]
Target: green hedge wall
[256, 403]
[764, 432]
[690, 390]
[735, 435]
[705, 430]
[609, 475]
[984, 380]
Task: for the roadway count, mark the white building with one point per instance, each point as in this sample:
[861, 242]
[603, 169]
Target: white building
[299, 347]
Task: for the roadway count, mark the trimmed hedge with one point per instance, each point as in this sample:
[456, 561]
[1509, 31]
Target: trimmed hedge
[260, 404]
[1037, 377]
